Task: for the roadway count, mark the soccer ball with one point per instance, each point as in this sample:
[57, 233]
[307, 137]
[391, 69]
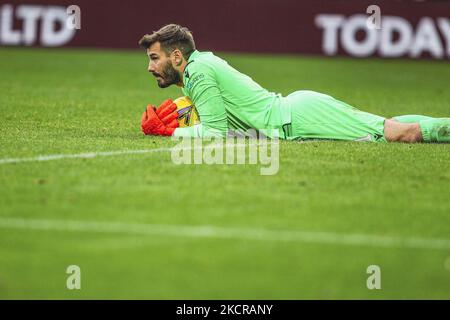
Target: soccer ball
[187, 113]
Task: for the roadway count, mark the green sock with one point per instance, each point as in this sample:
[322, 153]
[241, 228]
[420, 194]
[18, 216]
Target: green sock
[435, 129]
[411, 118]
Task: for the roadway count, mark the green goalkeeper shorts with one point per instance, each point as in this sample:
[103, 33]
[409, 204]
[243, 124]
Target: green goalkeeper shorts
[319, 116]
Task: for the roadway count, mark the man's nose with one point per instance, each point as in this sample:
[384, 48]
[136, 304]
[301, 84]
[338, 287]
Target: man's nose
[151, 67]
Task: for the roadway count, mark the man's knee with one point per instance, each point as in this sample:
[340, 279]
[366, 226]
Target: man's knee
[402, 132]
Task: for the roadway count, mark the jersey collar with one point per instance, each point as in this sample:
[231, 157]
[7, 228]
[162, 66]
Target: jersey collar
[191, 59]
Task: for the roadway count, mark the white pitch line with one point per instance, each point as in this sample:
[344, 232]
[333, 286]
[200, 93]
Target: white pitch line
[88, 155]
[225, 233]
[80, 155]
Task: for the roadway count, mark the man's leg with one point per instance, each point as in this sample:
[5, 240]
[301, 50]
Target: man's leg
[320, 116]
[431, 129]
[395, 131]
[411, 118]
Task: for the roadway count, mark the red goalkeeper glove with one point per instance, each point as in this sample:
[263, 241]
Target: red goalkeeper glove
[165, 113]
[151, 124]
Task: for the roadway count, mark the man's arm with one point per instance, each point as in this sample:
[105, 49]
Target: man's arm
[203, 89]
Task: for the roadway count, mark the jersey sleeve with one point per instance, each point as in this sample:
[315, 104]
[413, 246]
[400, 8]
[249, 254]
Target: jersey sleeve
[202, 87]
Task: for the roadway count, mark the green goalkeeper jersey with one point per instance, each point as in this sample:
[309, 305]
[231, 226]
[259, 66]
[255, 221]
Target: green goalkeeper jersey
[229, 100]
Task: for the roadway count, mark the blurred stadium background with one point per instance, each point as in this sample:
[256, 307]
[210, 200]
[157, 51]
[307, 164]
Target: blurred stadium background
[327, 27]
[346, 206]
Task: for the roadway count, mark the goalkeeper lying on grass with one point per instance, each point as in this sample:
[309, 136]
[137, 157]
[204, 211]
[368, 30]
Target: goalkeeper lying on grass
[229, 100]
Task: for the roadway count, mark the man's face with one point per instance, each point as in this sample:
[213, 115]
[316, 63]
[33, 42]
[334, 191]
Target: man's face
[161, 66]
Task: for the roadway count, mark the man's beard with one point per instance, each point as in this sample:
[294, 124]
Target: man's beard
[168, 77]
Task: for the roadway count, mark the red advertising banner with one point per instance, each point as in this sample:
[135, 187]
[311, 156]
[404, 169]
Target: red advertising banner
[356, 28]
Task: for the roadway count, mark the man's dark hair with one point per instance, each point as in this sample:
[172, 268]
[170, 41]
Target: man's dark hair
[171, 37]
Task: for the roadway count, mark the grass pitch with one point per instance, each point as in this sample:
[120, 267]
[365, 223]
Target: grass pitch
[380, 204]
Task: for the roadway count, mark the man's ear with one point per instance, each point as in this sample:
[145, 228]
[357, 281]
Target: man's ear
[177, 57]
